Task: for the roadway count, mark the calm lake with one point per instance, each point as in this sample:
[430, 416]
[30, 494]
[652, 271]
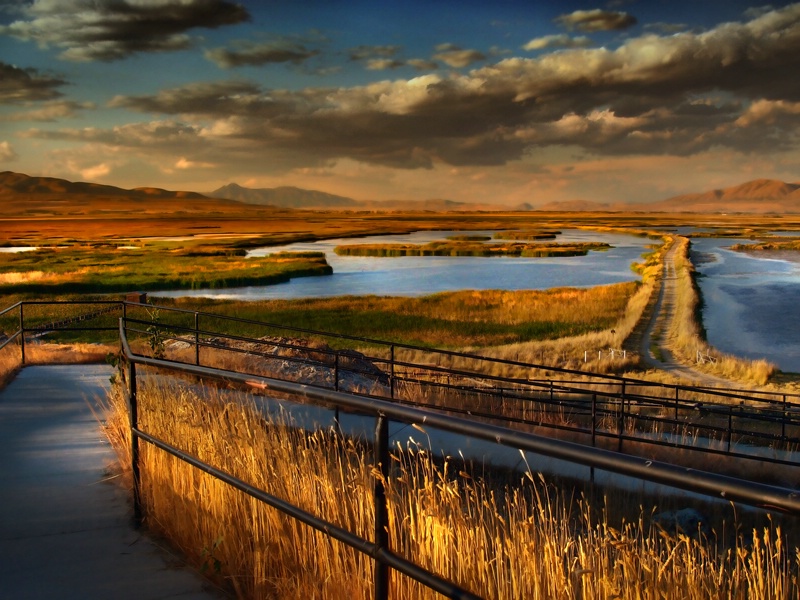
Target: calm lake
[751, 302]
[751, 306]
[420, 276]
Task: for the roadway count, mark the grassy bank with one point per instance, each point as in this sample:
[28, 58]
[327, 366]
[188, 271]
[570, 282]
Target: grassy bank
[447, 320]
[508, 537]
[466, 248]
[108, 268]
[686, 337]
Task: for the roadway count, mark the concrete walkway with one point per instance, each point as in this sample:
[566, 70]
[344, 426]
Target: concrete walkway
[65, 532]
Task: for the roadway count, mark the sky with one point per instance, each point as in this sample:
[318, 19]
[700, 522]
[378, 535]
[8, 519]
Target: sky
[498, 102]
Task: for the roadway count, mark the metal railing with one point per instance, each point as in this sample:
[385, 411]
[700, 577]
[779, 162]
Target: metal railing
[617, 402]
[379, 548]
[599, 409]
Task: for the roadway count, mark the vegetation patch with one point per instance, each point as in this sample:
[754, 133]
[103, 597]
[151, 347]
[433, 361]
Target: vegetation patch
[526, 235]
[448, 320]
[457, 248]
[771, 245]
[497, 534]
[107, 268]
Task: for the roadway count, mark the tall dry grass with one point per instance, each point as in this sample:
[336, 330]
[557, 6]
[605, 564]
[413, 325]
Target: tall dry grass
[686, 338]
[521, 539]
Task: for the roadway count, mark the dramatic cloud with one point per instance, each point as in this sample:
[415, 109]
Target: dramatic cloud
[7, 153]
[50, 111]
[596, 20]
[421, 64]
[557, 41]
[249, 53]
[26, 85]
[383, 64]
[368, 52]
[457, 57]
[110, 30]
[731, 87]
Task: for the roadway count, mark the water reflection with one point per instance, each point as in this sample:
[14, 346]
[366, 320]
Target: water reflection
[750, 302]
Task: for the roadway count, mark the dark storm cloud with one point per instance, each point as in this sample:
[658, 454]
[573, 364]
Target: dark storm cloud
[682, 94]
[49, 111]
[110, 30]
[370, 52]
[596, 20]
[457, 57]
[251, 53]
[25, 85]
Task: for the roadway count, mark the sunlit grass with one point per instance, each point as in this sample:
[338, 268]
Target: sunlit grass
[506, 537]
[687, 339]
[447, 320]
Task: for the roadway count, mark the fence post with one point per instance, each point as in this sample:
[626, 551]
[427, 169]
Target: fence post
[133, 409]
[594, 431]
[783, 420]
[621, 425]
[336, 371]
[21, 334]
[197, 339]
[677, 390]
[391, 372]
[730, 426]
[381, 589]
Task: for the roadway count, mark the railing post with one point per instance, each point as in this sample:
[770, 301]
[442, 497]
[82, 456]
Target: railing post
[621, 424]
[336, 371]
[783, 420]
[391, 372]
[134, 424]
[677, 391]
[21, 333]
[730, 426]
[381, 589]
[197, 338]
[594, 432]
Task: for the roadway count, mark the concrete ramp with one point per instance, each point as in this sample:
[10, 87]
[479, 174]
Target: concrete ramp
[65, 532]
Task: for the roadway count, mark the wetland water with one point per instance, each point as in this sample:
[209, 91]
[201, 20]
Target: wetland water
[751, 301]
[751, 306]
[421, 276]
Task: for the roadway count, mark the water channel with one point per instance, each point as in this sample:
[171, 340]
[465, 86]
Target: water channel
[750, 301]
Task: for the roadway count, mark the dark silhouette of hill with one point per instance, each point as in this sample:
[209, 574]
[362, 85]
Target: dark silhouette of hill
[285, 197]
[17, 183]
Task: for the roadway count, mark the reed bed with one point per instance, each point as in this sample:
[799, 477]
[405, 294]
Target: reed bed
[515, 536]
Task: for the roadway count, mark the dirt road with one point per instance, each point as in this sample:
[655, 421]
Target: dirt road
[655, 332]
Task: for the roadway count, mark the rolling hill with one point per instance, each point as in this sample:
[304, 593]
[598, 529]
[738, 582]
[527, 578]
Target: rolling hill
[16, 183]
[45, 194]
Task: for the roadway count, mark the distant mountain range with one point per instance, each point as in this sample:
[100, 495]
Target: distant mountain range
[758, 196]
[16, 183]
[293, 197]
